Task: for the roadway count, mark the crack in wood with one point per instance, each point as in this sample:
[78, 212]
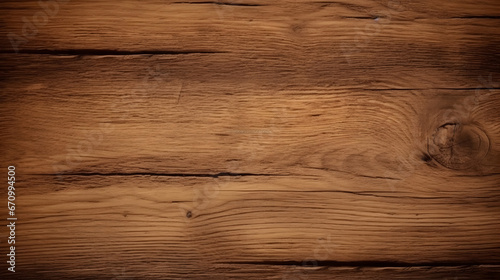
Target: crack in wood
[220, 3]
[215, 175]
[98, 52]
[478, 16]
[355, 174]
[370, 264]
[437, 88]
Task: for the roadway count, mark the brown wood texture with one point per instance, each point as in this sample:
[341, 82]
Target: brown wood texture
[252, 139]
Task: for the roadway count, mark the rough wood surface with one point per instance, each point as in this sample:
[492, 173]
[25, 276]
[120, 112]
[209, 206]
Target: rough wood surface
[253, 139]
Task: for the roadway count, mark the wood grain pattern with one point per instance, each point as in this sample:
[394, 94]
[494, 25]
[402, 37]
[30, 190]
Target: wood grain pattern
[253, 139]
[103, 222]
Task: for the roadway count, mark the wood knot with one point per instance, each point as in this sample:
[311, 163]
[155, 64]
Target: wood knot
[458, 146]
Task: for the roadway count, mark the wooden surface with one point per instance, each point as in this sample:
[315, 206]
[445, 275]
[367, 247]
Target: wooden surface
[252, 139]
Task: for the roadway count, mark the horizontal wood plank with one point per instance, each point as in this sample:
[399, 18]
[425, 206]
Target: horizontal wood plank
[320, 36]
[155, 115]
[87, 225]
[274, 272]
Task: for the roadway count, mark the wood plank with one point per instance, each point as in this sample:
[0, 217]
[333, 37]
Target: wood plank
[169, 121]
[85, 225]
[284, 272]
[368, 70]
[295, 26]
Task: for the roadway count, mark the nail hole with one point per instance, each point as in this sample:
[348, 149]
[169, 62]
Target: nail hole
[426, 157]
[189, 214]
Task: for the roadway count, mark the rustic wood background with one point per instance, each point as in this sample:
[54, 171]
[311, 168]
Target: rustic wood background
[252, 139]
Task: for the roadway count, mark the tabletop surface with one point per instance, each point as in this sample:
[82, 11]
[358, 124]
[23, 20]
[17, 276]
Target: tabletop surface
[251, 139]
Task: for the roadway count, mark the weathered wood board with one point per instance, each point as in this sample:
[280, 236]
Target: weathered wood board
[251, 139]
